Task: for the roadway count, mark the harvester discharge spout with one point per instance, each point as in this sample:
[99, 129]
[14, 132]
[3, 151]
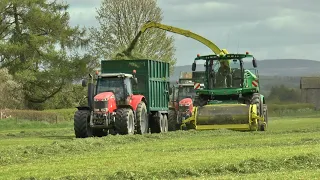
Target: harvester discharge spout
[150, 24]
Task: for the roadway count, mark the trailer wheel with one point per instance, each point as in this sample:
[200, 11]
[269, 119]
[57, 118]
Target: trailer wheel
[156, 123]
[164, 123]
[142, 118]
[82, 128]
[172, 121]
[124, 122]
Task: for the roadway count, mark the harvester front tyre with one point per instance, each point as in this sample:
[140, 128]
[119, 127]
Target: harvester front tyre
[142, 118]
[256, 99]
[124, 122]
[82, 127]
[172, 121]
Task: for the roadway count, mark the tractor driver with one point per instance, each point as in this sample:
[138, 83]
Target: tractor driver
[223, 75]
[118, 90]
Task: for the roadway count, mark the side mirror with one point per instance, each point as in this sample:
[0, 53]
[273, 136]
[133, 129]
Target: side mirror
[135, 81]
[84, 83]
[194, 66]
[254, 63]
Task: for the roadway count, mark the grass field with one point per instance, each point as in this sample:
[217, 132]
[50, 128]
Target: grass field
[290, 149]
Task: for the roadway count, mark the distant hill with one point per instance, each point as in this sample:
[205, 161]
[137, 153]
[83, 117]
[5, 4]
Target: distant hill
[273, 72]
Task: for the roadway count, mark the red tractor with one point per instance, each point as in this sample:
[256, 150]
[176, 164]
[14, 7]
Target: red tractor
[182, 103]
[115, 105]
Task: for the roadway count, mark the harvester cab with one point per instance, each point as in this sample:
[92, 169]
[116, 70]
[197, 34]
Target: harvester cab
[230, 98]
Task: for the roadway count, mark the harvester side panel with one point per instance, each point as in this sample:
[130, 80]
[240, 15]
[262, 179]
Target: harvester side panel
[153, 79]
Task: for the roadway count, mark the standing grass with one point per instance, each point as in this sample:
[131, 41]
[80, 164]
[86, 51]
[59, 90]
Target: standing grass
[289, 149]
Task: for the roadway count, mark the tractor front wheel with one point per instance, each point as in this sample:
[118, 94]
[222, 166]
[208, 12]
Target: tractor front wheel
[172, 120]
[124, 122]
[82, 127]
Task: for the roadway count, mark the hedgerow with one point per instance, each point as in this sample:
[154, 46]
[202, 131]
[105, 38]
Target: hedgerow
[55, 115]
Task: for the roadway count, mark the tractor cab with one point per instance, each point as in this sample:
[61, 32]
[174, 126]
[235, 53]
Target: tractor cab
[110, 90]
[119, 84]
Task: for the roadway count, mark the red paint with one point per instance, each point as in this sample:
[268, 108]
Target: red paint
[176, 106]
[102, 96]
[109, 96]
[112, 104]
[187, 101]
[135, 100]
[255, 83]
[196, 85]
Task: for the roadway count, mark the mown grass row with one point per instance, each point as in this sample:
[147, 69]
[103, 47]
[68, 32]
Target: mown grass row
[56, 115]
[34, 150]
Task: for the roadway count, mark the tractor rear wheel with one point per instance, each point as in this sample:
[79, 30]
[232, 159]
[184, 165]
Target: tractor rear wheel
[172, 120]
[82, 127]
[124, 122]
[142, 118]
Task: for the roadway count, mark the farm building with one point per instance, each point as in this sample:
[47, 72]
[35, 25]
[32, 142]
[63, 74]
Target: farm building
[310, 90]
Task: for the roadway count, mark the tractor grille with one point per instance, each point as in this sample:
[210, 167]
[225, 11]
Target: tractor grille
[183, 108]
[100, 104]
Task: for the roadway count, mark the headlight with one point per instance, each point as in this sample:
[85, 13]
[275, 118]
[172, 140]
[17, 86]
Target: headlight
[104, 110]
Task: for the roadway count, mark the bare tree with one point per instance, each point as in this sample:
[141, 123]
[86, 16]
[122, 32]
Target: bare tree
[120, 22]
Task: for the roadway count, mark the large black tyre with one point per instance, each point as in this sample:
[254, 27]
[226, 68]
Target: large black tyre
[82, 128]
[142, 118]
[155, 124]
[164, 123]
[172, 120]
[264, 127]
[159, 123]
[256, 99]
[124, 123]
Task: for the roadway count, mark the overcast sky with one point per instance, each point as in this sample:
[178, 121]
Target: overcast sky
[269, 29]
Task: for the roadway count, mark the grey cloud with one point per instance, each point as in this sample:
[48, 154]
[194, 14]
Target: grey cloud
[269, 29]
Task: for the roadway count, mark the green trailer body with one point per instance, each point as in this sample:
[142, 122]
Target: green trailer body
[153, 79]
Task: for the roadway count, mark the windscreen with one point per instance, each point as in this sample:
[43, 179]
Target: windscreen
[186, 91]
[222, 76]
[109, 84]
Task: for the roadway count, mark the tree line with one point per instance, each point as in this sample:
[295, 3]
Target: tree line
[42, 55]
